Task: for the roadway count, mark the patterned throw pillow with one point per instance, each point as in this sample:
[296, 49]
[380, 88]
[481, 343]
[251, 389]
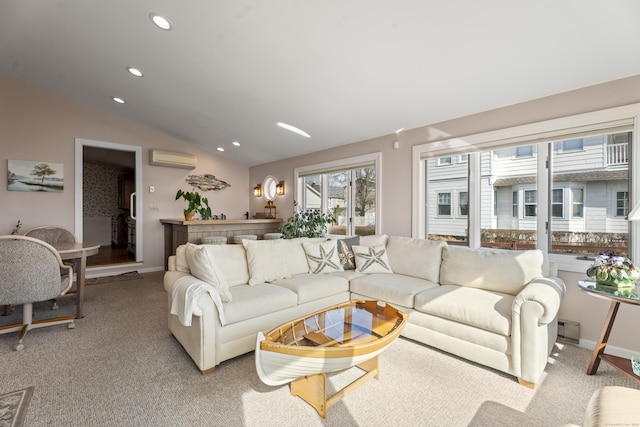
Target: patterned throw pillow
[347, 259]
[322, 257]
[371, 259]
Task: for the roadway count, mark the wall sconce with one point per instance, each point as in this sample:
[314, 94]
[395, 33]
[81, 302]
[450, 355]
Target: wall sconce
[280, 188]
[257, 190]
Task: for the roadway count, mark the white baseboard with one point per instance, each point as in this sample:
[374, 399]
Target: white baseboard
[613, 350]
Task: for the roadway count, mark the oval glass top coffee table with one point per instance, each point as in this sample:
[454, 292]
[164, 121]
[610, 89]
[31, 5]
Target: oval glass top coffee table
[616, 295]
[304, 350]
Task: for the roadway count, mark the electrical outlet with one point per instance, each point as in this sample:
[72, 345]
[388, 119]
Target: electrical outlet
[152, 189]
[154, 208]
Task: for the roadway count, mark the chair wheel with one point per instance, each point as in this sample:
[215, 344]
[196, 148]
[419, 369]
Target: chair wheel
[71, 326]
[18, 347]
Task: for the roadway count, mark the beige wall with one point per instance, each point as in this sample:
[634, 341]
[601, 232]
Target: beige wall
[396, 182]
[39, 125]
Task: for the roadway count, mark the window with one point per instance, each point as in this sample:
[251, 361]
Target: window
[572, 145]
[505, 167]
[463, 203]
[464, 158]
[525, 151]
[530, 203]
[577, 211]
[557, 203]
[347, 189]
[444, 204]
[444, 161]
[622, 203]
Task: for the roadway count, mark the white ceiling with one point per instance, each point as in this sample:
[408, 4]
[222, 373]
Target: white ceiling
[342, 70]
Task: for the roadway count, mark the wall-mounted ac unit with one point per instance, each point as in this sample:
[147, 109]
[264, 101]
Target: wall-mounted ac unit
[172, 159]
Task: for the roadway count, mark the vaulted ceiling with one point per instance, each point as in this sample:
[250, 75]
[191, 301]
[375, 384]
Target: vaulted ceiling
[341, 70]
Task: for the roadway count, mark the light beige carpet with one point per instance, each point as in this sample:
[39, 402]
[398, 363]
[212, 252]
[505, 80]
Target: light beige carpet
[122, 367]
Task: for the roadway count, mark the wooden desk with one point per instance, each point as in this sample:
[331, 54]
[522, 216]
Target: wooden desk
[627, 296]
[78, 252]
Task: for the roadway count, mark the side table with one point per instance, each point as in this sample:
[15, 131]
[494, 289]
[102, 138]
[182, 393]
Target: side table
[616, 296]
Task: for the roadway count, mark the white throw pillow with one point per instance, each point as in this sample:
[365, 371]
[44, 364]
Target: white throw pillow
[322, 257]
[374, 240]
[203, 267]
[371, 259]
[271, 260]
[181, 259]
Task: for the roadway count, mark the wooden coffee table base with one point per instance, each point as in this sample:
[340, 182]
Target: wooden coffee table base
[313, 389]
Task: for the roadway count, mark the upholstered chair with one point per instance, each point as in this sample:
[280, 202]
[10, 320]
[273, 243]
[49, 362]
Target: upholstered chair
[52, 234]
[31, 271]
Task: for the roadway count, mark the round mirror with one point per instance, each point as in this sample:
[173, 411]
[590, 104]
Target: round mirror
[269, 188]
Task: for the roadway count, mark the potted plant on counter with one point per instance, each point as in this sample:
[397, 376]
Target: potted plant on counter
[194, 204]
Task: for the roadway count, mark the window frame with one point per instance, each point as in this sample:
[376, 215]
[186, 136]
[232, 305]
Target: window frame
[438, 204]
[366, 160]
[560, 203]
[609, 120]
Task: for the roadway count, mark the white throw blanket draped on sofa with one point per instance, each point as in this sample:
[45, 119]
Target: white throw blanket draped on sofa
[184, 300]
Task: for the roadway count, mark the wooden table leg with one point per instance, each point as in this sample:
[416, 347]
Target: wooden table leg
[80, 265]
[313, 388]
[604, 337]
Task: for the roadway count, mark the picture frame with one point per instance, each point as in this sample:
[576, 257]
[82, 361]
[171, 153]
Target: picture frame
[35, 176]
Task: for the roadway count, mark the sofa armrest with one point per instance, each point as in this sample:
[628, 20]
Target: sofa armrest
[546, 291]
[171, 263]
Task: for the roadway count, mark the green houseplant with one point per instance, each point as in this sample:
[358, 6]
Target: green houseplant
[195, 204]
[306, 223]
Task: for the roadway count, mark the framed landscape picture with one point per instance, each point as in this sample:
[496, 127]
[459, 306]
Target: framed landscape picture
[25, 175]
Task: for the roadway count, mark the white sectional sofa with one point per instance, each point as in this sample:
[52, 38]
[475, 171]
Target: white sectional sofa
[495, 308]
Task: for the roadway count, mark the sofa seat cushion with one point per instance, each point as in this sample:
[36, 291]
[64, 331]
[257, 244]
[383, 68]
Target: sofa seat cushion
[483, 309]
[391, 288]
[311, 287]
[257, 300]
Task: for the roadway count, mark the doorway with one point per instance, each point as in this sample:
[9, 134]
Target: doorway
[108, 180]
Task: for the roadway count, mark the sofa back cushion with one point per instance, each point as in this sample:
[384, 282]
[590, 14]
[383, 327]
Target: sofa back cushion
[231, 259]
[270, 260]
[499, 271]
[419, 258]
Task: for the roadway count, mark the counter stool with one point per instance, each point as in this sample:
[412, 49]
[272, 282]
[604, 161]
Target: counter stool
[214, 240]
[272, 236]
[239, 237]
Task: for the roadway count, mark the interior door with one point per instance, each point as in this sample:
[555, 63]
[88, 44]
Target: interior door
[126, 162]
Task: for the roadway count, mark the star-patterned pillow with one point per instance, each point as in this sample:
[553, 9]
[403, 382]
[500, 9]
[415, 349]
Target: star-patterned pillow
[322, 257]
[371, 259]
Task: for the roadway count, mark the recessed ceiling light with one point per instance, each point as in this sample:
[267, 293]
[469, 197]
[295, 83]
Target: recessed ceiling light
[135, 71]
[294, 129]
[160, 21]
[118, 100]
[220, 149]
[236, 143]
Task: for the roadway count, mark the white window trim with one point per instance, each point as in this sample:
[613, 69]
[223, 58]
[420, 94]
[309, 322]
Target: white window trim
[607, 119]
[347, 163]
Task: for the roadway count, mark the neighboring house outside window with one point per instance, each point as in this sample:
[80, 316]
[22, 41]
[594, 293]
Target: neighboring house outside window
[514, 205]
[463, 203]
[524, 151]
[530, 204]
[444, 161]
[622, 203]
[557, 203]
[578, 203]
[444, 204]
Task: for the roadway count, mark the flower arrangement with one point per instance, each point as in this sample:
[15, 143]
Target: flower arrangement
[613, 270]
